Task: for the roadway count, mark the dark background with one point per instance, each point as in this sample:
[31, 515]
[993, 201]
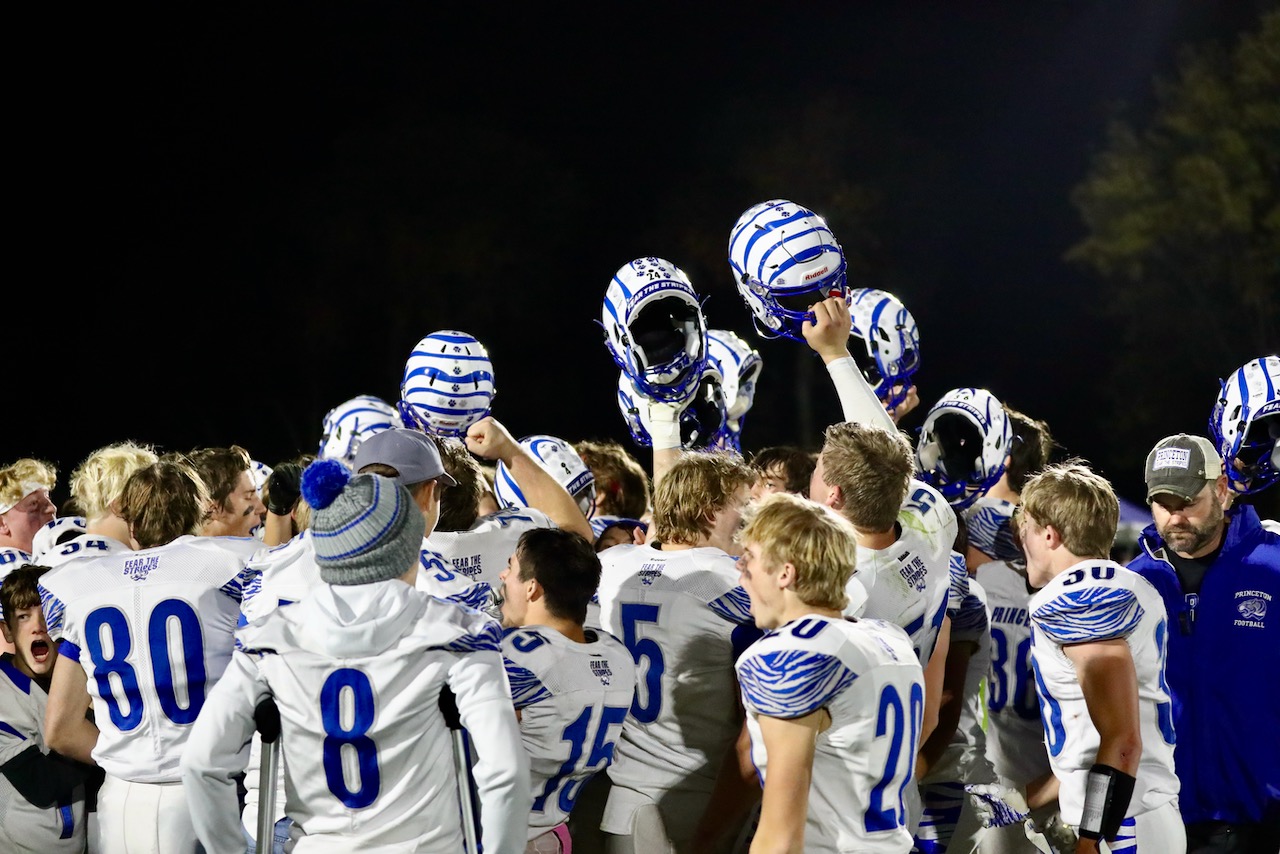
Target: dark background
[261, 211]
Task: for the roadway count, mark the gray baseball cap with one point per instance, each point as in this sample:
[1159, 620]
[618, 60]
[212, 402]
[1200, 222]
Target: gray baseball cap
[1181, 465]
[409, 452]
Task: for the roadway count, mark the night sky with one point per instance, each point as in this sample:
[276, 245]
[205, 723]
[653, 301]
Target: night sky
[267, 210]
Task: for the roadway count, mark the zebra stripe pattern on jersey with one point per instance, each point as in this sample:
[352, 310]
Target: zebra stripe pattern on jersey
[791, 683]
[1095, 614]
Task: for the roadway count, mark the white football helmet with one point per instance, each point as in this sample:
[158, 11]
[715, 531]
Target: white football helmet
[54, 533]
[654, 328]
[963, 445]
[447, 385]
[561, 461]
[349, 423]
[784, 259]
[739, 364]
[1245, 424]
[702, 413]
[890, 355]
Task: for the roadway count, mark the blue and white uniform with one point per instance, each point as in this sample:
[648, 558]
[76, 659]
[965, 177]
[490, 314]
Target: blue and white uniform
[153, 630]
[678, 612]
[908, 583]
[866, 675]
[27, 828]
[1098, 600]
[357, 673]
[480, 553]
[572, 698]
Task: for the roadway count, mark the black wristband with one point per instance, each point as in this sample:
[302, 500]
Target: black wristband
[1107, 792]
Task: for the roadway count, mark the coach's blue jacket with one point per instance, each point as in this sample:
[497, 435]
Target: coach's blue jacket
[1223, 670]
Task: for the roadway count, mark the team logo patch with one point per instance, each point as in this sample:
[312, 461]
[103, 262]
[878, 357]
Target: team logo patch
[1172, 458]
[602, 671]
[1252, 607]
[139, 568]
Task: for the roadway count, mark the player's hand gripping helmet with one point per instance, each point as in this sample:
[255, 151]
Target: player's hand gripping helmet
[561, 461]
[739, 364]
[1245, 424]
[701, 415]
[447, 385]
[349, 423]
[784, 259]
[890, 355]
[963, 445]
[654, 328]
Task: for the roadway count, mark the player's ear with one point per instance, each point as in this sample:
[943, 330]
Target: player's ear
[787, 575]
[4, 629]
[835, 499]
[1054, 536]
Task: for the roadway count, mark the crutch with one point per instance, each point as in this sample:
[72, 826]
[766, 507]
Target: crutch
[461, 765]
[266, 717]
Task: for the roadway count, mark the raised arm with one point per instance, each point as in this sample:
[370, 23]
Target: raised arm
[828, 336]
[490, 440]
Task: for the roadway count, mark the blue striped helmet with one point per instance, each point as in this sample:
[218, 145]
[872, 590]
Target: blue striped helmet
[963, 445]
[1245, 424]
[890, 355]
[784, 259]
[654, 328]
[350, 423]
[447, 385]
[561, 461]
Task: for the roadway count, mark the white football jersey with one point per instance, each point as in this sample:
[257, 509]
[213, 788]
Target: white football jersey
[437, 577]
[53, 829]
[11, 559]
[866, 675]
[153, 630]
[366, 753]
[481, 552]
[1098, 600]
[1015, 735]
[572, 698]
[908, 583]
[677, 612]
[83, 546]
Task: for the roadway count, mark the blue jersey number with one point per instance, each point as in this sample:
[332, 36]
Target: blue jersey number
[191, 643]
[1055, 735]
[654, 666]
[337, 736]
[576, 734]
[1012, 673]
[900, 725]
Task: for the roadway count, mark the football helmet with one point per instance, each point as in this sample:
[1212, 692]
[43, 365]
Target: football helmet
[739, 365]
[963, 445]
[447, 385]
[350, 423]
[654, 328]
[561, 461]
[259, 472]
[890, 354]
[784, 259]
[701, 414]
[1245, 424]
[54, 533]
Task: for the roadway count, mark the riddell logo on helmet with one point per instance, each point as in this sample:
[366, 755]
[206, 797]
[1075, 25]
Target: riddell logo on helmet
[816, 274]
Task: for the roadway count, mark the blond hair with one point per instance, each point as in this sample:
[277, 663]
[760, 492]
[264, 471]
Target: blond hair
[18, 478]
[98, 481]
[872, 467]
[1077, 502]
[820, 543]
[697, 486]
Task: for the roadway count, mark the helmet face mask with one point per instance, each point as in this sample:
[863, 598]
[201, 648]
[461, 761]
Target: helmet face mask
[1245, 425]
[784, 259]
[963, 445]
[654, 327]
[890, 355]
[559, 459]
[701, 415]
[447, 385]
[349, 423]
